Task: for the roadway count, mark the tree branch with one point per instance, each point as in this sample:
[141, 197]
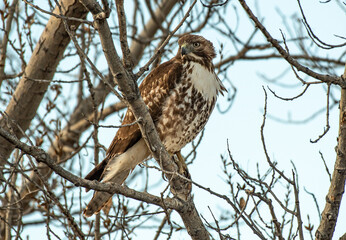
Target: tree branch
[43, 157]
[337, 185]
[322, 77]
[5, 39]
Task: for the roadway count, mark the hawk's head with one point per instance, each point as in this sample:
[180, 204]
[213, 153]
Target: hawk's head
[196, 47]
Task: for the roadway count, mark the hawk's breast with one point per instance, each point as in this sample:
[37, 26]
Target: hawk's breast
[188, 107]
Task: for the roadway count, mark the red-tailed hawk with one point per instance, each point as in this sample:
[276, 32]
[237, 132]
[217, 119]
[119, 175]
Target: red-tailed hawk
[180, 95]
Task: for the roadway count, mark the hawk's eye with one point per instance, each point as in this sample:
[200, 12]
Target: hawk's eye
[196, 44]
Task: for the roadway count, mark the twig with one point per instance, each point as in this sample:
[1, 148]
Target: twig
[127, 59]
[264, 144]
[58, 16]
[311, 34]
[297, 206]
[326, 167]
[5, 39]
[83, 56]
[326, 129]
[217, 225]
[164, 220]
[315, 201]
[291, 98]
[63, 209]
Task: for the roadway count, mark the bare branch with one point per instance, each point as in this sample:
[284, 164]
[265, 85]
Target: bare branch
[314, 38]
[326, 129]
[42, 156]
[5, 40]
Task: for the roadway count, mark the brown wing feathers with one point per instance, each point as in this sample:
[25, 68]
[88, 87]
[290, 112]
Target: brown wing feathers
[154, 91]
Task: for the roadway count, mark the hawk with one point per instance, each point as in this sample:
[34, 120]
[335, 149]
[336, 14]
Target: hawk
[180, 95]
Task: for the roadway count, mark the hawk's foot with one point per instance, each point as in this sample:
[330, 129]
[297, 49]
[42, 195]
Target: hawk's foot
[182, 168]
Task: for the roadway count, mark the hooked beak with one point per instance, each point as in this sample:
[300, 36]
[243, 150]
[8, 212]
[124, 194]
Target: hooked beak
[185, 49]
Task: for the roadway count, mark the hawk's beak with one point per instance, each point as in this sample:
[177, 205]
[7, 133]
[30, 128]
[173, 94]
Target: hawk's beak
[185, 49]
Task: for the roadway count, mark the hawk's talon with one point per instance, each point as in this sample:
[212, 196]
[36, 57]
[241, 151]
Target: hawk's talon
[182, 167]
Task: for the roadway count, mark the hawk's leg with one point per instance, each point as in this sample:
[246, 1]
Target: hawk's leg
[182, 168]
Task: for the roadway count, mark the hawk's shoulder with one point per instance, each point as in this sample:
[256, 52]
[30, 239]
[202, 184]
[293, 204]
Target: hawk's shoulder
[164, 76]
[157, 86]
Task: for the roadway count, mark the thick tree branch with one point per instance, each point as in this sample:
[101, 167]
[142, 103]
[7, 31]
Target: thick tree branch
[337, 186]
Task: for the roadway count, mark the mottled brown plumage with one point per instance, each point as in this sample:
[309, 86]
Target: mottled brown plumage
[180, 95]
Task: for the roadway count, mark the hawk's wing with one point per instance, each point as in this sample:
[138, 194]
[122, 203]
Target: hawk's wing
[155, 89]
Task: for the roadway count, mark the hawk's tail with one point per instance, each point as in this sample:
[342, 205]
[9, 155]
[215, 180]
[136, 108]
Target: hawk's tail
[117, 171]
[99, 200]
